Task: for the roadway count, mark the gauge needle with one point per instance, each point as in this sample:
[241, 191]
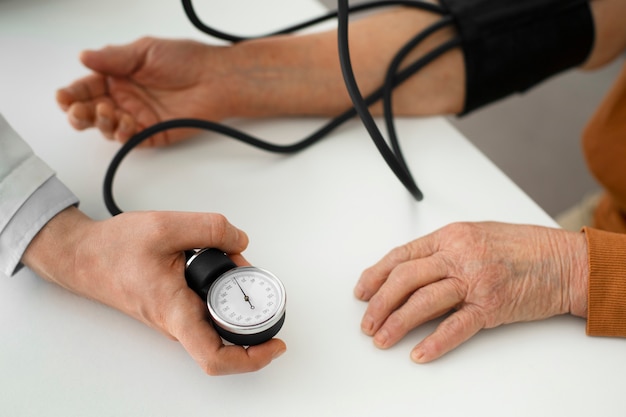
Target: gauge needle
[245, 296]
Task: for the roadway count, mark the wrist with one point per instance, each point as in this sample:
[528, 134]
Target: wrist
[53, 251]
[579, 275]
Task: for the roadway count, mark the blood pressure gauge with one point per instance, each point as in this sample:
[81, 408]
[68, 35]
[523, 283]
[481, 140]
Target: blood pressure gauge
[246, 303]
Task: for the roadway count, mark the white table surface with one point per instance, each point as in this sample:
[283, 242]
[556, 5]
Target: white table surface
[316, 219]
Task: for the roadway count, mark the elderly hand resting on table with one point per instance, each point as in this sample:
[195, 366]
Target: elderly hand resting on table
[487, 274]
[134, 262]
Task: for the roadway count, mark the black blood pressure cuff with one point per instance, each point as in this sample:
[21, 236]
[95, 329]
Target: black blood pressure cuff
[512, 45]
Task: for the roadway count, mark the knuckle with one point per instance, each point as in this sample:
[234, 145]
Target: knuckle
[219, 219]
[460, 229]
[210, 368]
[378, 304]
[470, 318]
[158, 225]
[399, 254]
[397, 323]
[424, 299]
[145, 40]
[403, 275]
[219, 226]
[457, 287]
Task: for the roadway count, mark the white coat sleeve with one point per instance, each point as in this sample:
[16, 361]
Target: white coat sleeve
[30, 195]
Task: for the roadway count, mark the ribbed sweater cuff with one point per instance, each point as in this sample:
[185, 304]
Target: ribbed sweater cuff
[607, 283]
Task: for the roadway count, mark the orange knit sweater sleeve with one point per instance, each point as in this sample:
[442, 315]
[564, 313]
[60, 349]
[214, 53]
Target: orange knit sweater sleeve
[607, 283]
[604, 145]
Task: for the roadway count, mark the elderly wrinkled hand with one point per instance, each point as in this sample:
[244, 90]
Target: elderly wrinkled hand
[136, 85]
[485, 274]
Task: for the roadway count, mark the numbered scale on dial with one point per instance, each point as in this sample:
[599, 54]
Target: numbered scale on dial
[246, 304]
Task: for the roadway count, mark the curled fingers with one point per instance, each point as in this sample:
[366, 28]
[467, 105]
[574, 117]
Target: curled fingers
[409, 295]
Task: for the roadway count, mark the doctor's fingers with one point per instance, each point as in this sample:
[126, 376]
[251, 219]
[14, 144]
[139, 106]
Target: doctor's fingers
[404, 281]
[375, 276]
[188, 323]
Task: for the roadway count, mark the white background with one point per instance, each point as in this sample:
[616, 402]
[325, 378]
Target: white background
[316, 219]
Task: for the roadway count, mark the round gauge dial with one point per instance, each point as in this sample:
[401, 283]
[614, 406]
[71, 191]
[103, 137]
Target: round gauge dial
[246, 303]
[246, 300]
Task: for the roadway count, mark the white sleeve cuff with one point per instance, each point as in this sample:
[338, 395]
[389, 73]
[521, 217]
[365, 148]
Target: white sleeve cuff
[45, 203]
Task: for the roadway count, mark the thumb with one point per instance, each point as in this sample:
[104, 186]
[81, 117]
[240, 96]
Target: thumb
[115, 60]
[187, 230]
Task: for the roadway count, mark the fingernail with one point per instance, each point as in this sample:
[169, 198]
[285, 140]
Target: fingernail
[104, 122]
[123, 127]
[381, 338]
[242, 237]
[78, 123]
[367, 325]
[417, 355]
[359, 292]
